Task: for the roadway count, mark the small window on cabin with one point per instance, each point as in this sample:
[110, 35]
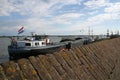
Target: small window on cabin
[27, 44]
[36, 44]
[43, 43]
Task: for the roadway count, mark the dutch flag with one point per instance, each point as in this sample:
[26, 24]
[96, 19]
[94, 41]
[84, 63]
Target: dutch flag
[21, 30]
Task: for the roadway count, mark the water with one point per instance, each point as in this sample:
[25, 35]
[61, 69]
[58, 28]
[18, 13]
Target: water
[4, 42]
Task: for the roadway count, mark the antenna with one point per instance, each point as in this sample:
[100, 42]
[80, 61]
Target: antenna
[92, 32]
[89, 31]
[107, 32]
[32, 34]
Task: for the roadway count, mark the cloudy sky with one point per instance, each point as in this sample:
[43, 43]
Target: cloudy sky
[59, 17]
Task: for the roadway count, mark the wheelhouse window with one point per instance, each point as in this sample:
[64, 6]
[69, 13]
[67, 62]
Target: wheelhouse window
[36, 44]
[43, 43]
[27, 44]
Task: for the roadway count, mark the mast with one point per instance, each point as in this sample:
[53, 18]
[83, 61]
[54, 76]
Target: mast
[89, 31]
[107, 32]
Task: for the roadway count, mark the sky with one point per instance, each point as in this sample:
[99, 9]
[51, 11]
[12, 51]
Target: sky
[59, 17]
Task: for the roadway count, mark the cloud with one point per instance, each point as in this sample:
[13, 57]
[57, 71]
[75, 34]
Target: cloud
[113, 8]
[31, 7]
[37, 9]
[42, 26]
[94, 4]
[67, 18]
[95, 22]
[10, 27]
[24, 7]
[5, 8]
[56, 16]
[71, 15]
[101, 18]
[93, 12]
[53, 25]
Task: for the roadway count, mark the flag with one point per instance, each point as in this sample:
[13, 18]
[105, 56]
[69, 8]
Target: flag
[21, 30]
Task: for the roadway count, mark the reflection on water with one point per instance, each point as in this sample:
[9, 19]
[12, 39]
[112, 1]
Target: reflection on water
[4, 42]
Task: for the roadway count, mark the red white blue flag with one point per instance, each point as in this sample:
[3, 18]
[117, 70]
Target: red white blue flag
[21, 30]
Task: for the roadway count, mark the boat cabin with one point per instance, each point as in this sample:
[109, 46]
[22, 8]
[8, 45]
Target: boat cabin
[29, 42]
[21, 44]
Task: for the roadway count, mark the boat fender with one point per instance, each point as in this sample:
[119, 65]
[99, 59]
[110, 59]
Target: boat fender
[63, 49]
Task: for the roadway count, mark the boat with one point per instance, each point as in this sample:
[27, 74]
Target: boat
[32, 47]
[35, 45]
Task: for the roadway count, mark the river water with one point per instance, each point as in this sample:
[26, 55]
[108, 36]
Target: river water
[4, 42]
